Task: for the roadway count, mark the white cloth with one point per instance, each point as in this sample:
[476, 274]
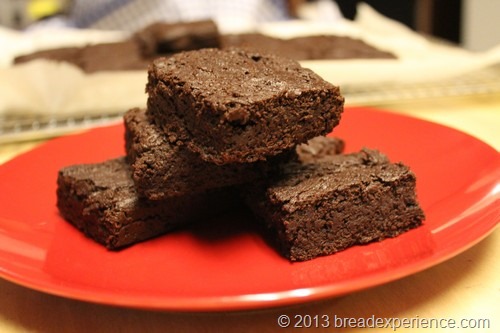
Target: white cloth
[132, 15]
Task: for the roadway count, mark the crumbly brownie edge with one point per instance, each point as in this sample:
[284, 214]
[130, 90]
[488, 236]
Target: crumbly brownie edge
[319, 148]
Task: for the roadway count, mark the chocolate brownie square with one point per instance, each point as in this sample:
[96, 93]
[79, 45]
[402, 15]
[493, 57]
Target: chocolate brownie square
[313, 47]
[62, 54]
[265, 44]
[162, 38]
[161, 169]
[316, 209]
[96, 57]
[237, 106]
[113, 56]
[337, 47]
[100, 200]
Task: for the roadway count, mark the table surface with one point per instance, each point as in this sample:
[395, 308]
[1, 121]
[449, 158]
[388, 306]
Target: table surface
[464, 287]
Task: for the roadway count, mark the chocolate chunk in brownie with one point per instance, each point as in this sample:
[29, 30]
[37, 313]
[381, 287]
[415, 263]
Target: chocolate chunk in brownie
[166, 38]
[161, 169]
[316, 209]
[100, 200]
[234, 106]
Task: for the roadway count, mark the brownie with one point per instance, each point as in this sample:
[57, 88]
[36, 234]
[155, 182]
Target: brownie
[112, 56]
[95, 57]
[161, 169]
[323, 47]
[314, 47]
[237, 106]
[100, 200]
[265, 44]
[166, 38]
[319, 208]
[63, 54]
[136, 52]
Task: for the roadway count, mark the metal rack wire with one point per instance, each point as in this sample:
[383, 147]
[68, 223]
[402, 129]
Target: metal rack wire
[30, 127]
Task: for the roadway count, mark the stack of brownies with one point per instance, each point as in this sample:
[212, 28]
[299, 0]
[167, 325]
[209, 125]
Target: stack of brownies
[224, 126]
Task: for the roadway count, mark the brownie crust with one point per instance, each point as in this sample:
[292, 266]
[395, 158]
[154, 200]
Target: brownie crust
[234, 106]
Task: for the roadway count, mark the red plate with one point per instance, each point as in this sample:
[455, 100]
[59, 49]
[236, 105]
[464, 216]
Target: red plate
[224, 264]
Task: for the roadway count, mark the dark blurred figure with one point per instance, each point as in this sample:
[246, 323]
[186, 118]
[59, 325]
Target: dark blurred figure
[439, 18]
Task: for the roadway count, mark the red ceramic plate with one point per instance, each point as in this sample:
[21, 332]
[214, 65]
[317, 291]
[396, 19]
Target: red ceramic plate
[223, 264]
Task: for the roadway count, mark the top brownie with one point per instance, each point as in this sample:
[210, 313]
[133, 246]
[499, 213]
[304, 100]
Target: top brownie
[235, 105]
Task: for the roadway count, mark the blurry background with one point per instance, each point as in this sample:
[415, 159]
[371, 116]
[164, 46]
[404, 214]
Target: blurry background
[468, 23]
[454, 55]
[18, 14]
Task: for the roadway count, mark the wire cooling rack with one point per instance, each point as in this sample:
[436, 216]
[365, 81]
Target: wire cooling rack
[32, 127]
[482, 82]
